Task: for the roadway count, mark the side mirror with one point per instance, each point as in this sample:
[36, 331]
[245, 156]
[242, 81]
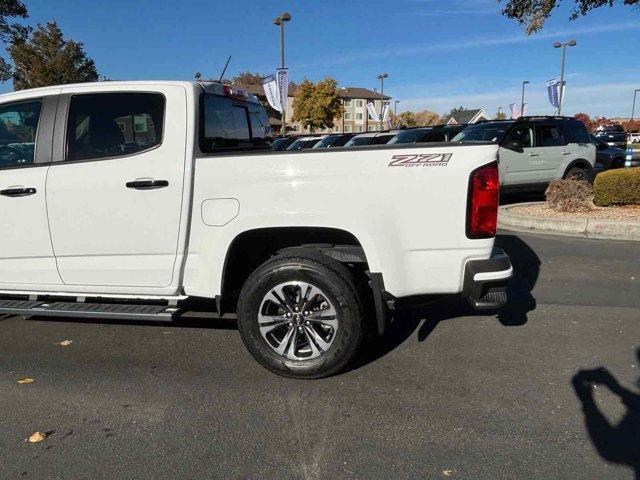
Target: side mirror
[515, 145]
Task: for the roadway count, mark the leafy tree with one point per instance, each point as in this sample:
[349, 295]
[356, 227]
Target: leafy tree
[500, 115]
[426, 118]
[248, 78]
[10, 32]
[533, 13]
[46, 58]
[404, 119]
[317, 105]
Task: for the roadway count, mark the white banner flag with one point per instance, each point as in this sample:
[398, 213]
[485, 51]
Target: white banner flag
[373, 114]
[385, 113]
[271, 92]
[525, 110]
[515, 112]
[283, 88]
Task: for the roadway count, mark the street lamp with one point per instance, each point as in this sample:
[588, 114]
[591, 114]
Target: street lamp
[381, 77]
[522, 101]
[570, 43]
[280, 20]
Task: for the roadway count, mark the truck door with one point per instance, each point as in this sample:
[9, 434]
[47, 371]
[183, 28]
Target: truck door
[26, 256]
[115, 188]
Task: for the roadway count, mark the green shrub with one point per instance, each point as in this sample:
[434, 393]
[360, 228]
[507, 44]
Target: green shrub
[617, 187]
[569, 195]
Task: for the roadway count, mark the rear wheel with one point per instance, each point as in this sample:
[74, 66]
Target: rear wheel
[300, 315]
[579, 173]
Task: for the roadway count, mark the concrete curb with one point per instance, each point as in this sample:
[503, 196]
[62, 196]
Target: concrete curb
[571, 227]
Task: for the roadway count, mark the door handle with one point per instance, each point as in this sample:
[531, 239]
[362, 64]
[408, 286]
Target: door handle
[147, 184]
[534, 154]
[18, 192]
[566, 153]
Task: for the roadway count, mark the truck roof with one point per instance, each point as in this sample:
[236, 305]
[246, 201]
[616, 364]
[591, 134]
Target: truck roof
[209, 87]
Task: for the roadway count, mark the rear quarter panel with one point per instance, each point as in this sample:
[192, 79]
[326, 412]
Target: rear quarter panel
[406, 208]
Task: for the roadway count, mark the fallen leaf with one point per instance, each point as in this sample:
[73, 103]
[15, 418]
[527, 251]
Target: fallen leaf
[447, 473]
[37, 437]
[25, 381]
[65, 343]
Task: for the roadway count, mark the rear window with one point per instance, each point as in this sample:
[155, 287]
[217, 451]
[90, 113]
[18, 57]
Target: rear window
[229, 124]
[408, 136]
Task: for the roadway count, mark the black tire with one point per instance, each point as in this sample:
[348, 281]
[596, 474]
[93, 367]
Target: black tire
[338, 286]
[579, 173]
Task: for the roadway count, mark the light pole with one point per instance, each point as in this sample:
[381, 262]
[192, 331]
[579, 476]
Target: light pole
[381, 77]
[522, 101]
[280, 20]
[395, 108]
[570, 43]
[498, 114]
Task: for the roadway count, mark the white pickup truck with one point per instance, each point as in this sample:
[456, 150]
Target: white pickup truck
[138, 200]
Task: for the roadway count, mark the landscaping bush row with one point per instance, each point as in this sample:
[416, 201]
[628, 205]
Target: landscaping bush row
[617, 187]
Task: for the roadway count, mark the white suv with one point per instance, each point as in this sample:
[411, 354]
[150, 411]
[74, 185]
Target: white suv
[535, 150]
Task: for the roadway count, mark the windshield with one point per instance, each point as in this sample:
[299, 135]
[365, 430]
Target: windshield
[483, 132]
[409, 136]
[355, 141]
[303, 144]
[327, 142]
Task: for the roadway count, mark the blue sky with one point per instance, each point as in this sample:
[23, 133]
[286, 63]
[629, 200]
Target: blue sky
[438, 54]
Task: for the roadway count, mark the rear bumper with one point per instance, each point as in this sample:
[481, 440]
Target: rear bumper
[485, 281]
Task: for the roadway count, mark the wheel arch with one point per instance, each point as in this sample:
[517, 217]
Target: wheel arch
[577, 163]
[250, 248]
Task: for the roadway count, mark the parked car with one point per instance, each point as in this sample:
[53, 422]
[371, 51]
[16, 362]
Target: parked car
[607, 157]
[201, 213]
[280, 144]
[610, 128]
[437, 133]
[371, 138]
[634, 137]
[613, 139]
[535, 150]
[303, 143]
[332, 141]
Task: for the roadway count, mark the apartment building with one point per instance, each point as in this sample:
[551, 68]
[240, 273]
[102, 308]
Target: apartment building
[354, 119]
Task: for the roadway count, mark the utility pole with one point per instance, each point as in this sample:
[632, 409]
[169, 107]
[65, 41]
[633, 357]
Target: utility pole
[395, 108]
[570, 43]
[381, 77]
[280, 20]
[522, 100]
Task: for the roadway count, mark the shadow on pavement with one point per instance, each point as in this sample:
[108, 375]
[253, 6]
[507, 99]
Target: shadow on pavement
[619, 443]
[526, 270]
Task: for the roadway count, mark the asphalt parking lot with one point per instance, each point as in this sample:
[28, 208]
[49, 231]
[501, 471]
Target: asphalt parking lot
[447, 394]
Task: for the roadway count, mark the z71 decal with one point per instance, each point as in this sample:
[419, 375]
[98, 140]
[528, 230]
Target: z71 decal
[421, 160]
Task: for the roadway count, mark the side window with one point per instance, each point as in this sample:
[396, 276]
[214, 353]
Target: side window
[575, 132]
[523, 134]
[18, 127]
[548, 136]
[107, 125]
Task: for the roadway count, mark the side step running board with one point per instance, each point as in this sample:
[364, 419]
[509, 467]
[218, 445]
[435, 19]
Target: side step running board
[119, 311]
